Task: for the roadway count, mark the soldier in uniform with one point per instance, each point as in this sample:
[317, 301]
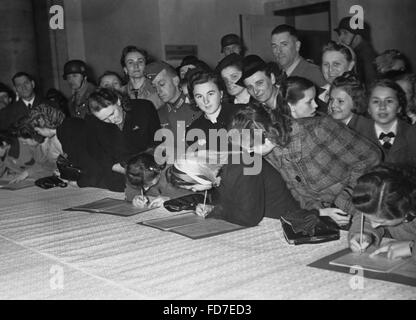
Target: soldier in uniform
[75, 73]
[175, 112]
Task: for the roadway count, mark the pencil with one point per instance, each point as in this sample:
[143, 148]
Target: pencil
[205, 198]
[361, 233]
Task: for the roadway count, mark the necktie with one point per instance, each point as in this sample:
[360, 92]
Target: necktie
[136, 93]
[385, 138]
[29, 105]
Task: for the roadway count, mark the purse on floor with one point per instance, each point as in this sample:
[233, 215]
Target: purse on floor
[188, 202]
[50, 182]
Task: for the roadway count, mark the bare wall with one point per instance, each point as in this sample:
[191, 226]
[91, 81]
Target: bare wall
[109, 26]
[203, 23]
[393, 23]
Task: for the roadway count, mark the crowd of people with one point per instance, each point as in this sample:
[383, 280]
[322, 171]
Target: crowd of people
[334, 140]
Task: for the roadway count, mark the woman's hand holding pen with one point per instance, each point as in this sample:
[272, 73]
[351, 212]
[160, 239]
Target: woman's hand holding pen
[203, 210]
[140, 201]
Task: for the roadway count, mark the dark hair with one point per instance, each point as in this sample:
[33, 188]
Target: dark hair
[21, 74]
[275, 126]
[24, 129]
[5, 137]
[6, 88]
[58, 99]
[129, 49]
[387, 191]
[354, 88]
[398, 75]
[45, 115]
[142, 169]
[386, 59]
[192, 60]
[400, 94]
[200, 78]
[110, 73]
[101, 98]
[285, 28]
[291, 91]
[347, 52]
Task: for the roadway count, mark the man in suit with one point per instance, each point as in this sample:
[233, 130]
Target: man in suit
[285, 47]
[27, 99]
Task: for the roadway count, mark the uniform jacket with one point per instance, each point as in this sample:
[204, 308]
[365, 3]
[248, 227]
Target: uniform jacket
[309, 71]
[78, 103]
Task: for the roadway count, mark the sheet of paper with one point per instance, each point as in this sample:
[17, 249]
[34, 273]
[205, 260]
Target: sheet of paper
[168, 223]
[206, 228]
[111, 206]
[377, 263]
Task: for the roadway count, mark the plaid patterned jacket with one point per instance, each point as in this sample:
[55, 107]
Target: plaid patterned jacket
[323, 161]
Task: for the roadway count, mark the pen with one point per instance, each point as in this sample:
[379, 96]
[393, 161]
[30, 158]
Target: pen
[361, 233]
[205, 199]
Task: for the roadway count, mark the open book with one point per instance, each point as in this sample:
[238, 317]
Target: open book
[377, 263]
[192, 226]
[4, 184]
[110, 206]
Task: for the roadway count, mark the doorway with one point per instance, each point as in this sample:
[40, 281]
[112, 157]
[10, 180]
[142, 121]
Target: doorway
[313, 22]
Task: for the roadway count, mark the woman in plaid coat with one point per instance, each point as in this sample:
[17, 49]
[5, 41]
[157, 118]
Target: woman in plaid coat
[319, 158]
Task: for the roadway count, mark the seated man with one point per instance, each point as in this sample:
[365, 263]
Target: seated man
[27, 99]
[174, 110]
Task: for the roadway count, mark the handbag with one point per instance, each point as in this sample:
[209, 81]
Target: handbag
[67, 170]
[50, 182]
[325, 229]
[188, 202]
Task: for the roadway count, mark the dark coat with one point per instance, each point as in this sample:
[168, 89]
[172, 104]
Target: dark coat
[16, 111]
[245, 199]
[223, 120]
[359, 123]
[81, 144]
[403, 150]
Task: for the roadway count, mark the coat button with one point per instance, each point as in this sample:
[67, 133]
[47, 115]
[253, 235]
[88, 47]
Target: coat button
[298, 179]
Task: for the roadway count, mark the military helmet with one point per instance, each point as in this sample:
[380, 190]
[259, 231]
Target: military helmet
[75, 66]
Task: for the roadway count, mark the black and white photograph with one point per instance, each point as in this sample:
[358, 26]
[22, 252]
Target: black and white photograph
[207, 155]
